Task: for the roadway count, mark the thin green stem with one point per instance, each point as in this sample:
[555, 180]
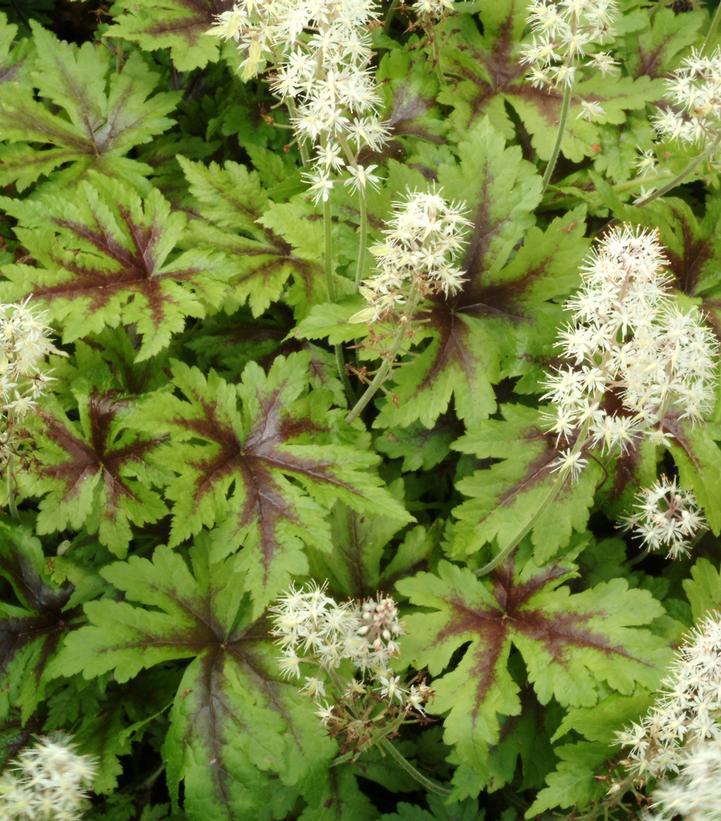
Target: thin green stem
[546, 501]
[10, 488]
[380, 376]
[405, 764]
[328, 249]
[302, 147]
[682, 175]
[565, 107]
[390, 14]
[330, 284]
[712, 29]
[362, 236]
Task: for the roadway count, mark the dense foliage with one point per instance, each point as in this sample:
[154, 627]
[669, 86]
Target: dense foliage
[182, 445]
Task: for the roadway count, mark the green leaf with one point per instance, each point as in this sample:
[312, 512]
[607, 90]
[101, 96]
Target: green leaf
[703, 589]
[30, 628]
[484, 74]
[239, 739]
[519, 487]
[656, 51]
[698, 458]
[179, 25]
[266, 459]
[573, 644]
[107, 257]
[88, 115]
[504, 313]
[92, 473]
[261, 244]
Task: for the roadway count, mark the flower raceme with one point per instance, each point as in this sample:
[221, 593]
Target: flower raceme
[632, 357]
[24, 347]
[416, 257]
[686, 712]
[348, 647]
[693, 115]
[564, 42]
[666, 518]
[319, 55]
[47, 782]
[694, 792]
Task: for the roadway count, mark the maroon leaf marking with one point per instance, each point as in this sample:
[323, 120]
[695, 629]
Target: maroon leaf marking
[136, 268]
[85, 458]
[558, 632]
[254, 461]
[45, 620]
[201, 15]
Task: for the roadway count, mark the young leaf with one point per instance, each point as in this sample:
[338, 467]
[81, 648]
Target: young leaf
[266, 459]
[515, 490]
[31, 629]
[240, 740]
[108, 257]
[89, 114]
[703, 589]
[92, 474]
[572, 645]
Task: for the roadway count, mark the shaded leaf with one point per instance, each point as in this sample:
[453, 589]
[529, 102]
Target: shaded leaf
[30, 629]
[92, 473]
[261, 244]
[236, 730]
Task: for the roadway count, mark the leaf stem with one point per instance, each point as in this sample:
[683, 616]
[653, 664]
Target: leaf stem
[390, 14]
[551, 165]
[362, 237]
[679, 178]
[302, 147]
[330, 284]
[406, 765]
[712, 29]
[546, 501]
[382, 373]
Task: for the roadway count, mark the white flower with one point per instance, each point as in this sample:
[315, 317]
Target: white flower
[591, 110]
[421, 241]
[685, 712]
[46, 782]
[666, 518]
[319, 55]
[390, 687]
[695, 792]
[564, 39]
[632, 357]
[694, 97]
[432, 8]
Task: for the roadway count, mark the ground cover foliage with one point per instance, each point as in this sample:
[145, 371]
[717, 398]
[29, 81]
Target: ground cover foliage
[193, 456]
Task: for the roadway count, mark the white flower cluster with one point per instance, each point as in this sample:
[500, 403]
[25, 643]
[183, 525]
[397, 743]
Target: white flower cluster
[695, 793]
[416, 257]
[348, 643]
[687, 710]
[565, 38]
[428, 9]
[633, 357]
[320, 55]
[694, 94]
[666, 518]
[24, 347]
[47, 782]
